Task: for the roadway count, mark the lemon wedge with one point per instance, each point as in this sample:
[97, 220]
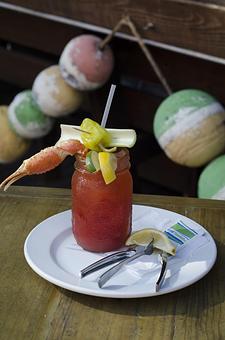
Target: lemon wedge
[108, 164]
[160, 240]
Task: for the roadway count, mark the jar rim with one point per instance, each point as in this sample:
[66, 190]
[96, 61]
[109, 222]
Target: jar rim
[123, 161]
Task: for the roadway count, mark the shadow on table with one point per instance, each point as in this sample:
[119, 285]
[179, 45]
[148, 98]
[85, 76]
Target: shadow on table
[192, 300]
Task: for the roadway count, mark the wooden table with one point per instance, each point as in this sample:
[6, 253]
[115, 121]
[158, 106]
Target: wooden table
[32, 308]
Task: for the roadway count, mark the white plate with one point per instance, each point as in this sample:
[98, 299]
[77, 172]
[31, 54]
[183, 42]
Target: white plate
[51, 251]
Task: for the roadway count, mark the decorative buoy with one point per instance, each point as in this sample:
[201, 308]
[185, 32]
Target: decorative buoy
[53, 95]
[189, 126]
[84, 65]
[211, 183]
[26, 118]
[12, 146]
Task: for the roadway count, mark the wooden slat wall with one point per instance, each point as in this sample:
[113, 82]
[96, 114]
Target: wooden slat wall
[44, 40]
[194, 25]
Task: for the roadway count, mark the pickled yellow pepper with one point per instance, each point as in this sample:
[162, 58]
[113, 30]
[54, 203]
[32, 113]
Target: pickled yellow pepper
[96, 135]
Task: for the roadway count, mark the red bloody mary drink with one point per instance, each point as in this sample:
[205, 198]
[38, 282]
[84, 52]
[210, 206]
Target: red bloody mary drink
[101, 213]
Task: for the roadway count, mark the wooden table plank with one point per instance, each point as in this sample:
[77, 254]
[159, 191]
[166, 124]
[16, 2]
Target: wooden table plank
[32, 308]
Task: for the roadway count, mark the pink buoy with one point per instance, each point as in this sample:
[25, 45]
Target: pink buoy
[84, 65]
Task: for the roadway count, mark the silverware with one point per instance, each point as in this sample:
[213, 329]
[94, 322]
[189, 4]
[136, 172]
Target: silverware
[107, 260]
[164, 261]
[140, 251]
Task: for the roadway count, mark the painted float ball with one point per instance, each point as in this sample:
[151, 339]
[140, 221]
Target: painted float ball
[12, 146]
[26, 118]
[189, 127]
[53, 95]
[84, 65]
[211, 183]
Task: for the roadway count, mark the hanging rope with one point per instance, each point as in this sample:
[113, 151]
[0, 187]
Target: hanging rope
[126, 21]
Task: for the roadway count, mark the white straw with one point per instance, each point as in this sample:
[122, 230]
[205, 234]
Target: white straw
[108, 105]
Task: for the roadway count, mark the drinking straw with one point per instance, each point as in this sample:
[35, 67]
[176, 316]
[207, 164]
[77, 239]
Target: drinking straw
[108, 104]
